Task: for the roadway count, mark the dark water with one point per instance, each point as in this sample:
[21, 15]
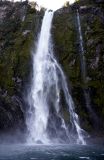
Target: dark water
[57, 152]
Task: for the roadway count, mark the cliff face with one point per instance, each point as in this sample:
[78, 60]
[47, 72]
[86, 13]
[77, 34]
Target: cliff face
[18, 27]
[88, 95]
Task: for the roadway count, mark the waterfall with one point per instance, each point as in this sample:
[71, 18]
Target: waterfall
[45, 122]
[82, 56]
[84, 73]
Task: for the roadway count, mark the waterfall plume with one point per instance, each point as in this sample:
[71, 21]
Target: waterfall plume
[46, 123]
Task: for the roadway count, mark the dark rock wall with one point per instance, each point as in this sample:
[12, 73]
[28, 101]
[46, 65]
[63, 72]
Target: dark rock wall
[19, 25]
[67, 48]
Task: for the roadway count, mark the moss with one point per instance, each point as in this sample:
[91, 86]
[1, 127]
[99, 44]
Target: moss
[16, 39]
[23, 53]
[16, 52]
[66, 46]
[64, 35]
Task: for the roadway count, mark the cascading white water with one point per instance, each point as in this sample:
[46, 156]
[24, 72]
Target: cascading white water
[83, 63]
[45, 97]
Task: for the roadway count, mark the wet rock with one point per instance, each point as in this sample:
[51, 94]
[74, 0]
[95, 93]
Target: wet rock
[94, 63]
[18, 80]
[11, 115]
[90, 42]
[2, 13]
[4, 94]
[15, 62]
[88, 79]
[85, 9]
[26, 32]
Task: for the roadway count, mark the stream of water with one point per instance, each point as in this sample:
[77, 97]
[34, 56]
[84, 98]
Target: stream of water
[45, 122]
[84, 74]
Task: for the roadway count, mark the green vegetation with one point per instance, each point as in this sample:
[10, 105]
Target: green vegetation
[17, 39]
[66, 46]
[18, 29]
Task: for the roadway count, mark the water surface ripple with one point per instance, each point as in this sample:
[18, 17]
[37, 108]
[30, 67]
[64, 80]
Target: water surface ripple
[49, 152]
